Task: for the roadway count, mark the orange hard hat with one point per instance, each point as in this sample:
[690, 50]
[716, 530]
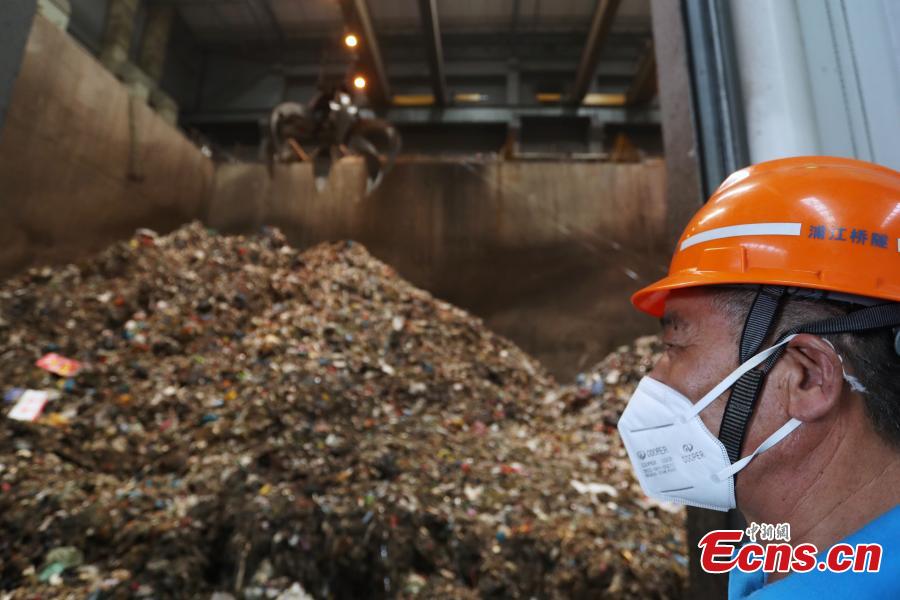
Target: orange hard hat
[816, 222]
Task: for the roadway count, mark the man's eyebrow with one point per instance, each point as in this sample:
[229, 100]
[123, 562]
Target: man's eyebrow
[673, 319]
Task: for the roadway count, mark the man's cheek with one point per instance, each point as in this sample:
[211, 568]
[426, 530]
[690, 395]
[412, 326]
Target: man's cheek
[712, 415]
[677, 373]
[711, 423]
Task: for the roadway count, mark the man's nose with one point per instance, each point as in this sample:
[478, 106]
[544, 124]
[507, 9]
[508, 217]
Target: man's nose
[660, 370]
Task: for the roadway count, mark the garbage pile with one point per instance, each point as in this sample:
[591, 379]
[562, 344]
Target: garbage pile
[604, 390]
[201, 416]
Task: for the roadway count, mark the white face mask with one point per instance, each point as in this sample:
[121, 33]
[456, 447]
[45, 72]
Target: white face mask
[675, 456]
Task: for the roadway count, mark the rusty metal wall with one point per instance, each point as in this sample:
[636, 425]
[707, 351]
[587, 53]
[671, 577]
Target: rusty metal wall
[82, 163]
[547, 252]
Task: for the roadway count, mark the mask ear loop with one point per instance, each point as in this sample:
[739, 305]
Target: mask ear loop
[732, 378]
[855, 384]
[770, 441]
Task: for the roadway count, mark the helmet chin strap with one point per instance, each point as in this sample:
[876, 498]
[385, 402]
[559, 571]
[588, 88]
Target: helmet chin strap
[762, 316]
[739, 409]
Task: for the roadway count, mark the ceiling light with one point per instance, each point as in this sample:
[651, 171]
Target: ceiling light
[413, 99]
[604, 100]
[465, 97]
[548, 97]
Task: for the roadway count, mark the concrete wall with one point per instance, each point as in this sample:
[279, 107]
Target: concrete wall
[82, 163]
[547, 252]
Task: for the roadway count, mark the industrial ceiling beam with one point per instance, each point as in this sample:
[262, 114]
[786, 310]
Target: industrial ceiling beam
[273, 20]
[601, 23]
[467, 74]
[460, 114]
[643, 86]
[431, 29]
[356, 15]
[619, 72]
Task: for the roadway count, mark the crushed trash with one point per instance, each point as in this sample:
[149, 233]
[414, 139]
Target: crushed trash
[594, 488]
[252, 421]
[59, 365]
[29, 405]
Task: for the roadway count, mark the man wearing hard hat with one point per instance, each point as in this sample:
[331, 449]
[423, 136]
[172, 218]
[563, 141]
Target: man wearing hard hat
[779, 389]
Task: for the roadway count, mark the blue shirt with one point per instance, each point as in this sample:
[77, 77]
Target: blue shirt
[884, 530]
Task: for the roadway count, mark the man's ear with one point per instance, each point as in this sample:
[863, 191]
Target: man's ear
[813, 377]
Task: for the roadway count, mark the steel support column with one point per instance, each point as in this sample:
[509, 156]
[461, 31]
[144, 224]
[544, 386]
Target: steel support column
[719, 110]
[692, 132]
